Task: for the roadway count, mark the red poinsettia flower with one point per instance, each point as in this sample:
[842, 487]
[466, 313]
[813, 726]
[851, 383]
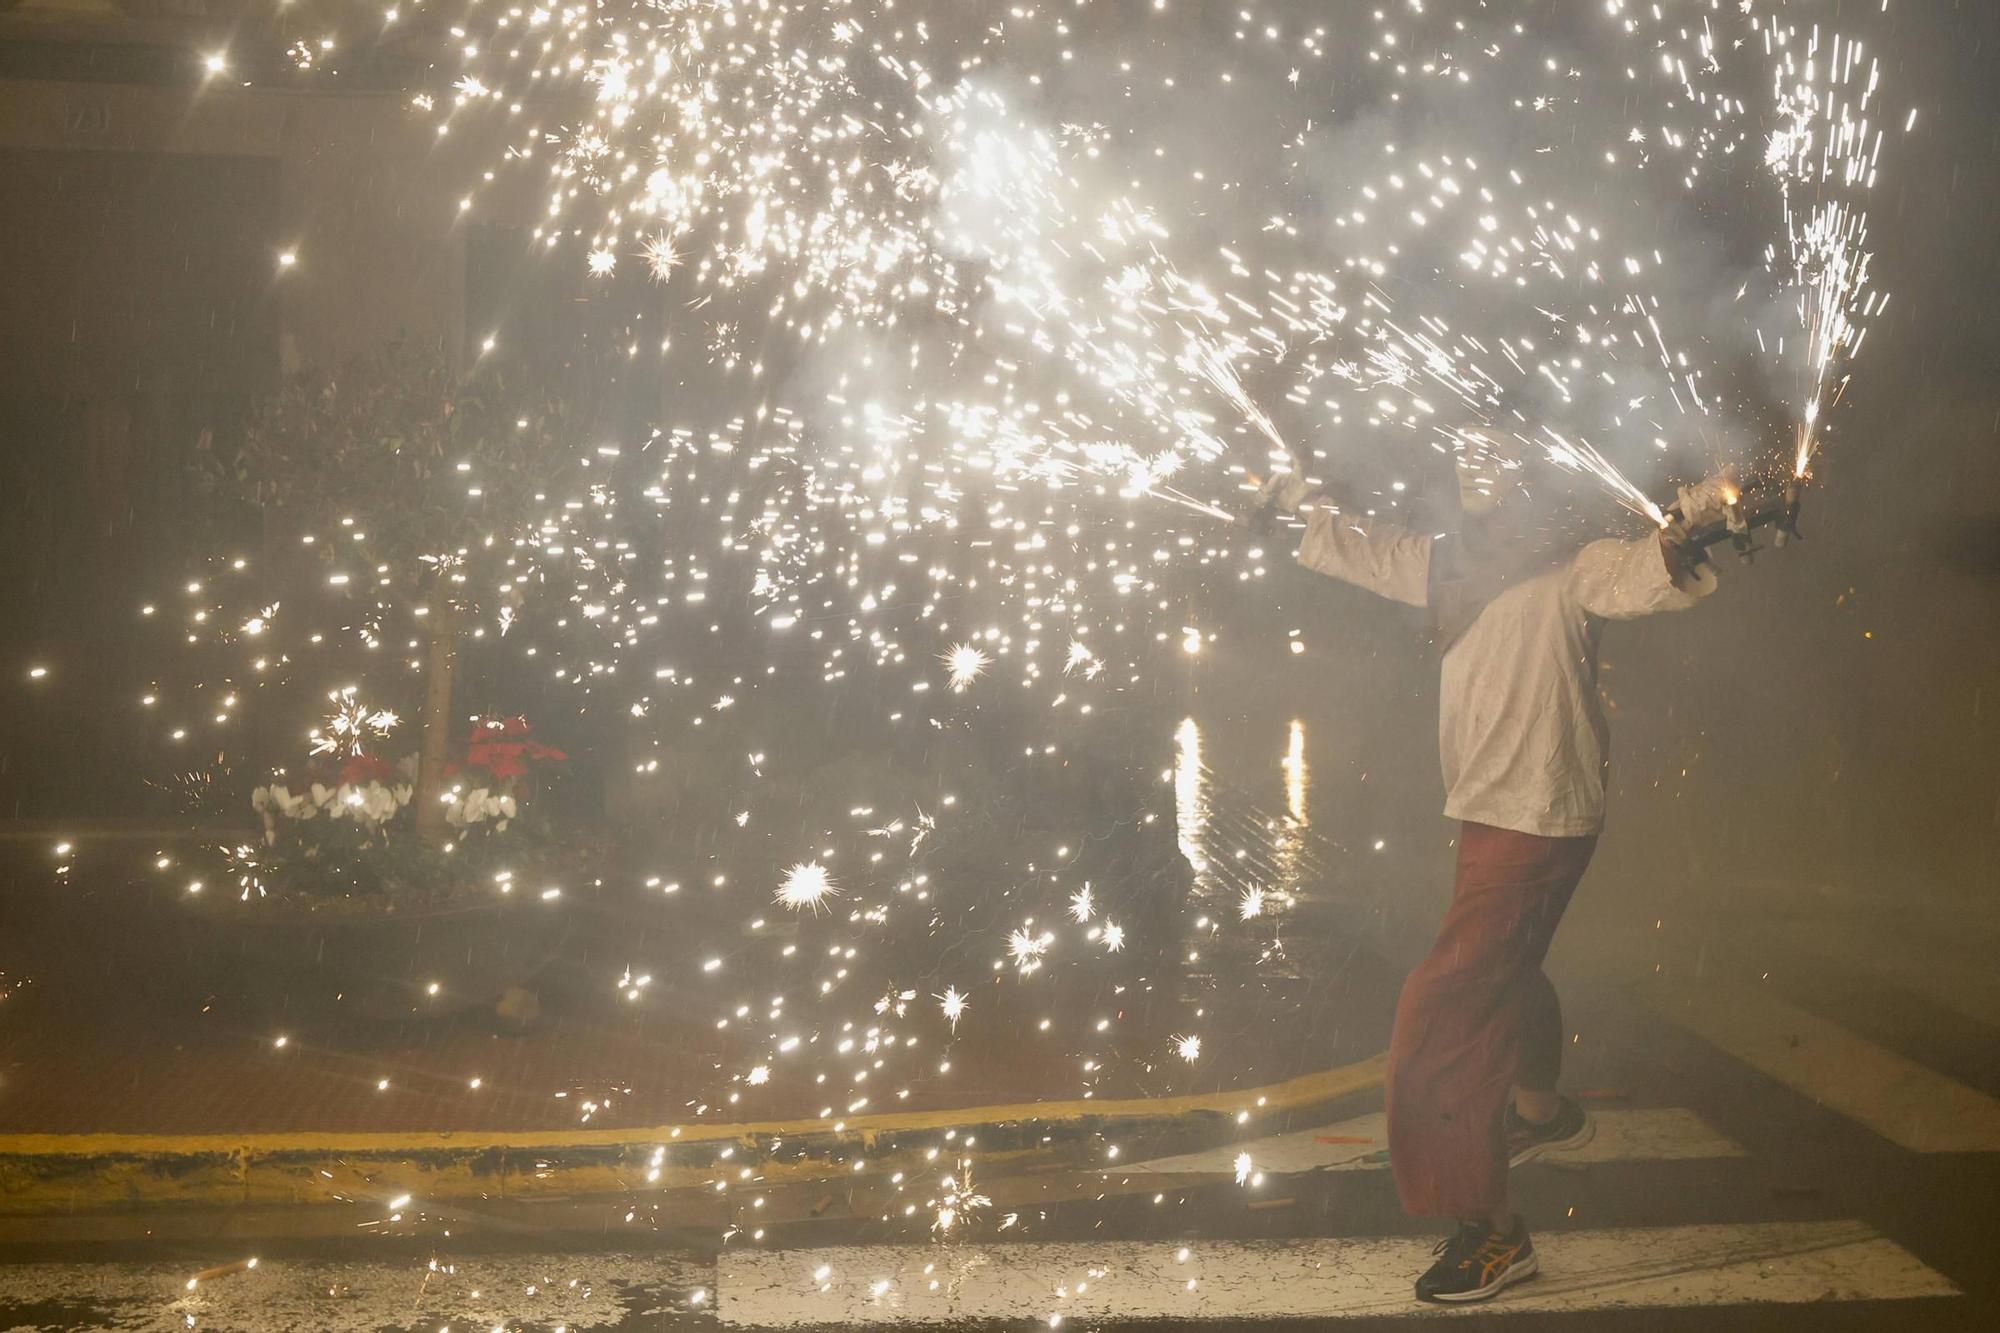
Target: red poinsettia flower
[500, 747]
[360, 769]
[501, 761]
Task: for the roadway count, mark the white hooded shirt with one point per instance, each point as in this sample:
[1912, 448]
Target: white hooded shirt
[1521, 729]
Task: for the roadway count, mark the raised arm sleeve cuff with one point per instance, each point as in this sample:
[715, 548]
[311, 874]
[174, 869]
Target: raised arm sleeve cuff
[1623, 580]
[1386, 560]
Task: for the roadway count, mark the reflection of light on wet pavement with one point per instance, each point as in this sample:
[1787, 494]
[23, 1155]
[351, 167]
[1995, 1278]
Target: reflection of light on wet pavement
[1288, 835]
[1294, 764]
[1190, 801]
[1240, 843]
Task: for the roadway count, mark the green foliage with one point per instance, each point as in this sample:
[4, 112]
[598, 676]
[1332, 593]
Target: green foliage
[342, 830]
[398, 470]
[345, 865]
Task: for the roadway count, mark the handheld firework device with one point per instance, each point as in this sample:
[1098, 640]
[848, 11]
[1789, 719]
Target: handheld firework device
[1758, 505]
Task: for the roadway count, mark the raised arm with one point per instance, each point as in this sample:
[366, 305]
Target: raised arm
[1623, 580]
[1385, 559]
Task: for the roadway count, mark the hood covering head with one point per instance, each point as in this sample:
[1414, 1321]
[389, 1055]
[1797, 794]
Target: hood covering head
[1493, 531]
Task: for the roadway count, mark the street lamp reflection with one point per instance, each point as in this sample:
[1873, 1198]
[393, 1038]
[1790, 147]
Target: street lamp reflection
[1296, 776]
[1190, 796]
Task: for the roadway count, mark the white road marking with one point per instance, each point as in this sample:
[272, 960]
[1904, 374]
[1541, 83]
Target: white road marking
[1947, 958]
[580, 1292]
[1624, 1134]
[884, 1286]
[1906, 1103]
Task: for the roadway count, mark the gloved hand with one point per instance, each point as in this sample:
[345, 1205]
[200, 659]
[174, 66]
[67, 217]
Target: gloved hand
[1707, 502]
[1286, 492]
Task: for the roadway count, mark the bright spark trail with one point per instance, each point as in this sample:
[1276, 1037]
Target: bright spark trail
[980, 294]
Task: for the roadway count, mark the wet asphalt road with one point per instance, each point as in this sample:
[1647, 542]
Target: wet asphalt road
[1835, 1057]
[1838, 1192]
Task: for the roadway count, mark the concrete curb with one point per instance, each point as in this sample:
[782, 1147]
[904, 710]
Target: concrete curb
[43, 1174]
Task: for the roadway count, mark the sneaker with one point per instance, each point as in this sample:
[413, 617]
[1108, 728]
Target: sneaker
[1569, 1129]
[1478, 1263]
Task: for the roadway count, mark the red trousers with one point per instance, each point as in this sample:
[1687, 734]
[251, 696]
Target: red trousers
[1476, 1017]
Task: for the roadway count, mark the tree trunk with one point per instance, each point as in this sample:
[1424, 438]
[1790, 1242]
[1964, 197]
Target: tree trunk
[440, 665]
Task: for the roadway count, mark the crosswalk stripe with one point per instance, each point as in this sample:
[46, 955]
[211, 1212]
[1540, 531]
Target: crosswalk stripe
[580, 1292]
[1624, 1134]
[884, 1286]
[1906, 1103]
[889, 1286]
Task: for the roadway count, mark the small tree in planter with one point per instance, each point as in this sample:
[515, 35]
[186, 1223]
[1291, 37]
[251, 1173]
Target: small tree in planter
[344, 828]
[371, 922]
[393, 477]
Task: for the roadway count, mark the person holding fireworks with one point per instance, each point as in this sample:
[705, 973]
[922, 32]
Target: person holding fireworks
[1517, 605]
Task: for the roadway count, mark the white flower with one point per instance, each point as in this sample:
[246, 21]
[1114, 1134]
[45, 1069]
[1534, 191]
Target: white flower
[480, 805]
[275, 802]
[371, 804]
[379, 803]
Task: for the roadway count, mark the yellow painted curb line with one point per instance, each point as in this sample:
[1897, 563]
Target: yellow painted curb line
[42, 1174]
[1305, 1090]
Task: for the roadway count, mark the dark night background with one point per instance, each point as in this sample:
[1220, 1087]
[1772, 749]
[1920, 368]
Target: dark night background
[1831, 717]
[1806, 768]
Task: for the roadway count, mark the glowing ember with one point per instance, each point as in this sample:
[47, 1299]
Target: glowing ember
[351, 725]
[807, 884]
[965, 664]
